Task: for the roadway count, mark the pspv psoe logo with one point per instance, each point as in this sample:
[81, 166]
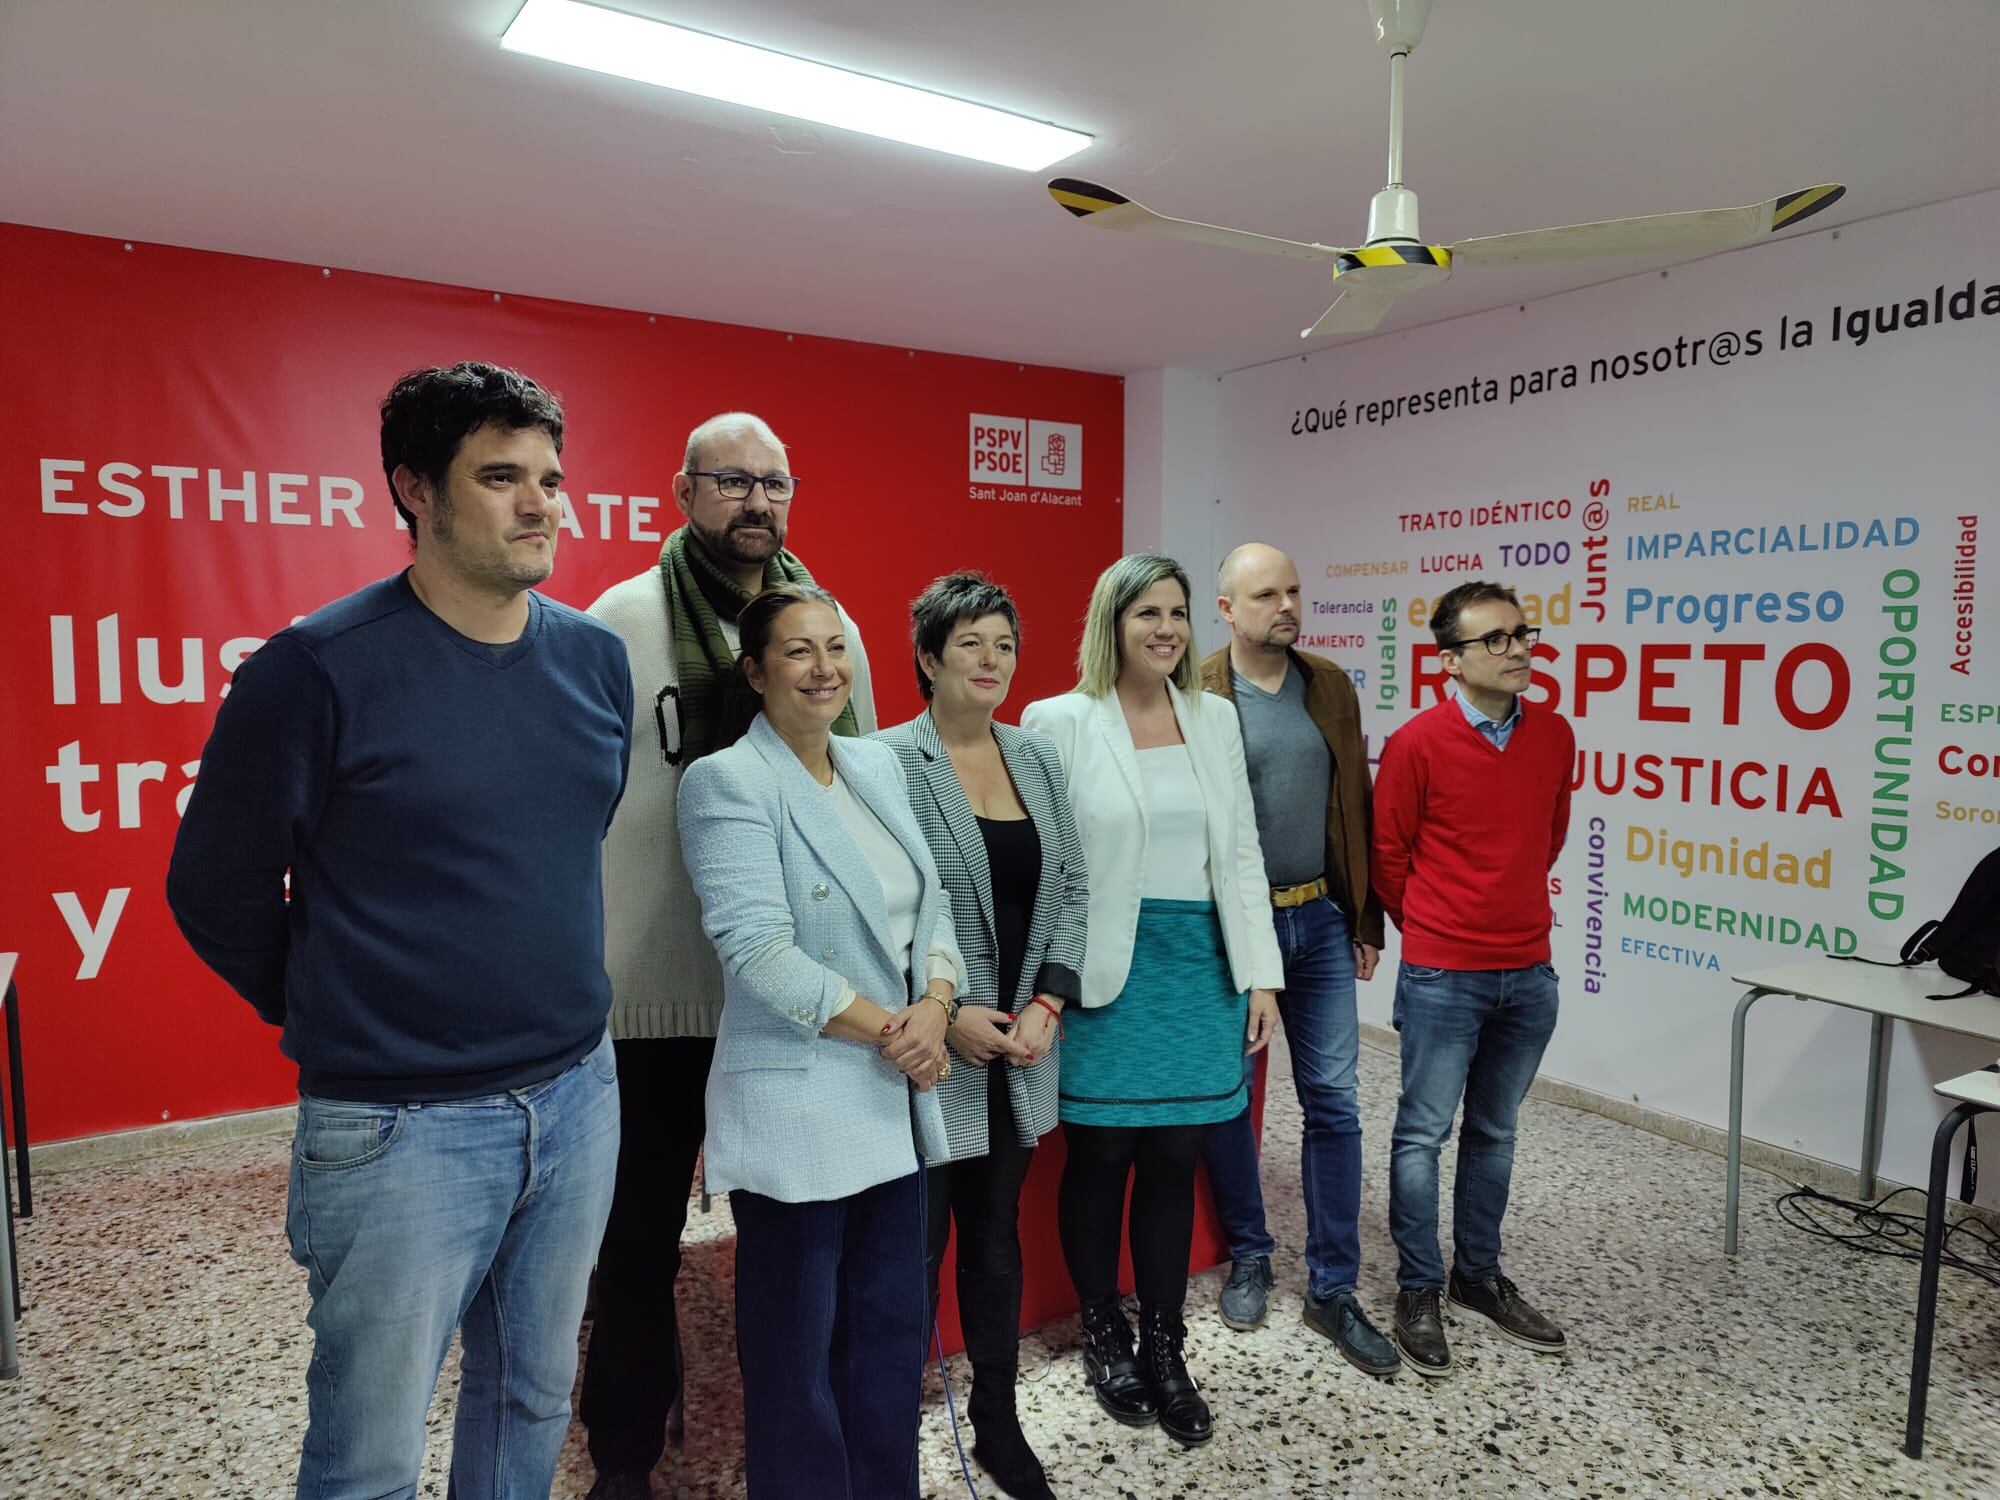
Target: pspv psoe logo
[1038, 454]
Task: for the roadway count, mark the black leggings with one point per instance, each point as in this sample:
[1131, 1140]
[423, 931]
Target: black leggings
[1161, 1161]
[982, 1194]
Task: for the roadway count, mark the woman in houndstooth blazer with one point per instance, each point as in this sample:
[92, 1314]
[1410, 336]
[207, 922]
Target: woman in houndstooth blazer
[992, 805]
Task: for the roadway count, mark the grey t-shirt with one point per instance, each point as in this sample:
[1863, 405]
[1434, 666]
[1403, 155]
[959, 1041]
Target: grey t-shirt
[1291, 773]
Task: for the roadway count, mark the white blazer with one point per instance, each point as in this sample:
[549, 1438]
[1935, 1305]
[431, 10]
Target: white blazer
[1102, 768]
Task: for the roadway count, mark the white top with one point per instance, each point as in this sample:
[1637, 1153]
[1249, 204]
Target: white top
[1176, 828]
[1101, 764]
[902, 887]
[1898, 993]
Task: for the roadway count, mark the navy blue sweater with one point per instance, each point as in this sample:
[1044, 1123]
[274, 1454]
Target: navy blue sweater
[439, 805]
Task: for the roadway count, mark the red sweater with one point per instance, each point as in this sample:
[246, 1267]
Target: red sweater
[1465, 835]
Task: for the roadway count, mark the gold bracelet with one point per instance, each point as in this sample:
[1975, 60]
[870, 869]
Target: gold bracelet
[944, 999]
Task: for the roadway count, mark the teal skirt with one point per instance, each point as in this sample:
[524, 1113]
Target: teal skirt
[1169, 1049]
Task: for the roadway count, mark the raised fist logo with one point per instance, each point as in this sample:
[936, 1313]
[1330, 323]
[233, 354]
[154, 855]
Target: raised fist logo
[1056, 459]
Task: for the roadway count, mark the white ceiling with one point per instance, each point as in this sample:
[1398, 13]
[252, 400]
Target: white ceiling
[395, 136]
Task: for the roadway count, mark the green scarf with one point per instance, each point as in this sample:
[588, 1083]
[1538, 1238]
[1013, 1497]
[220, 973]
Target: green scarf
[699, 598]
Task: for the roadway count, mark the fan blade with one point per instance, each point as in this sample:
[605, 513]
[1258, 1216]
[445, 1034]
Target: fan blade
[1703, 229]
[1101, 206]
[1355, 310]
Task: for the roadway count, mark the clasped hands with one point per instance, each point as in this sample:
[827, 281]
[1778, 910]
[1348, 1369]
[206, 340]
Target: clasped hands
[983, 1035]
[913, 1041]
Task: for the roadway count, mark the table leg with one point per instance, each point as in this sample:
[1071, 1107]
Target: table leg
[17, 1089]
[10, 1364]
[1871, 1108]
[1750, 998]
[1927, 1282]
[10, 1282]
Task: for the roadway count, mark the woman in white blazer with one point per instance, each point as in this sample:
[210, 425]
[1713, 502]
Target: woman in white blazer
[839, 978]
[1180, 974]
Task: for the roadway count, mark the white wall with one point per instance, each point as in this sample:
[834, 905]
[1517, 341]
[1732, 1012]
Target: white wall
[1905, 425]
[1173, 478]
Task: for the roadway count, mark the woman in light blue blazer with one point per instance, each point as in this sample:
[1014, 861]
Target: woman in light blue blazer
[839, 979]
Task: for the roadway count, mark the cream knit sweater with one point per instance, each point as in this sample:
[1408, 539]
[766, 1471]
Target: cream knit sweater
[665, 979]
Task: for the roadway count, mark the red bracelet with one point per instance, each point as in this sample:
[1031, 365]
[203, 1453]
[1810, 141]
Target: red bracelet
[1038, 1000]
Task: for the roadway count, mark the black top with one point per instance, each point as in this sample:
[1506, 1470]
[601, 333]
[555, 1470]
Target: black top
[1014, 856]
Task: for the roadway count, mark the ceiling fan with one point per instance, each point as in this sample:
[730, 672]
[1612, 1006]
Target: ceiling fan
[1395, 261]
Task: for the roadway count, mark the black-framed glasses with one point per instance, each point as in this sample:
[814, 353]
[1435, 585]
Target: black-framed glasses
[734, 484]
[1498, 642]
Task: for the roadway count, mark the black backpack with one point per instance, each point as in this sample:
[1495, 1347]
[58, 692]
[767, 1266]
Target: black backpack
[1966, 944]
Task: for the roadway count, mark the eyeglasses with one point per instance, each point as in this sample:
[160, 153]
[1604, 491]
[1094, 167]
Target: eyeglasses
[734, 484]
[1497, 642]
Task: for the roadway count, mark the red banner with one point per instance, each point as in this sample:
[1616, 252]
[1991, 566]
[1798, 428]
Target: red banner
[194, 464]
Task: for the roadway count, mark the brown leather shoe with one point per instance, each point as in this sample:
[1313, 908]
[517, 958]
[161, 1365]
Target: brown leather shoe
[1500, 1303]
[1420, 1332]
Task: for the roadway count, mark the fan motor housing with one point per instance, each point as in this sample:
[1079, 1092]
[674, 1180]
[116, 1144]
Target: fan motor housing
[1399, 24]
[1396, 268]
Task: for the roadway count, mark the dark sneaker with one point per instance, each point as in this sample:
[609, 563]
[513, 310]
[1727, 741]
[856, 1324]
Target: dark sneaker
[1246, 1296]
[622, 1487]
[1341, 1319]
[1420, 1332]
[1500, 1303]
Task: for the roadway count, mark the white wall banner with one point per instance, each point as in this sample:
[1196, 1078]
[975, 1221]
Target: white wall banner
[1752, 505]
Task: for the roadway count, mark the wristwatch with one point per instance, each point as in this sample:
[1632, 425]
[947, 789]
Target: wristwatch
[951, 1004]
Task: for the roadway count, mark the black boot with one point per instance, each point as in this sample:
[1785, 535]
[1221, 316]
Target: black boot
[1112, 1370]
[989, 1314]
[1183, 1413]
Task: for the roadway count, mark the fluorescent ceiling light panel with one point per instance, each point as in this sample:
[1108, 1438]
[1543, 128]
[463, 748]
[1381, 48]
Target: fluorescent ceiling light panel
[607, 41]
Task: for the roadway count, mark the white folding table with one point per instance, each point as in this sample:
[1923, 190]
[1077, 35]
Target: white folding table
[1976, 1094]
[1883, 994]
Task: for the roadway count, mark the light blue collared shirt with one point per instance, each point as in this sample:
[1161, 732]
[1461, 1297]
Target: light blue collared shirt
[1494, 730]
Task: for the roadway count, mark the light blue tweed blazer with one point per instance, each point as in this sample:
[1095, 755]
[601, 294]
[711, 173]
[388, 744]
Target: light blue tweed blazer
[793, 908]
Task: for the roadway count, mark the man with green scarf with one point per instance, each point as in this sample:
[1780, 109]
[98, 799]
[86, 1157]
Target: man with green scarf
[735, 490]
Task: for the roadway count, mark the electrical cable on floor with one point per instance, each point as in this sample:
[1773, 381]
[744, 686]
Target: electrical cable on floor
[1875, 1229]
[951, 1409]
[1029, 1374]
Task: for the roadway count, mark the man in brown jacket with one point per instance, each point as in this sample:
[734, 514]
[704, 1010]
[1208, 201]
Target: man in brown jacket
[1309, 781]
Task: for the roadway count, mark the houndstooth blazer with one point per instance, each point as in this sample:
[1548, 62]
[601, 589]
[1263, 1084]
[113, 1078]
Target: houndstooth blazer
[1053, 961]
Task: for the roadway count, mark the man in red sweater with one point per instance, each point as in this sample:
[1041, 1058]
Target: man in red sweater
[1471, 805]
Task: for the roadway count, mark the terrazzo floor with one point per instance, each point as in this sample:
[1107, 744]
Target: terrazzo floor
[164, 1350]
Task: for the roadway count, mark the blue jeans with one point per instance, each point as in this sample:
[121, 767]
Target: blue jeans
[1317, 1004]
[832, 1327]
[411, 1220]
[1479, 1033]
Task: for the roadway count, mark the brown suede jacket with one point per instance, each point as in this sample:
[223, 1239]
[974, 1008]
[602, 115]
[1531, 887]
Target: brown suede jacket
[1350, 809]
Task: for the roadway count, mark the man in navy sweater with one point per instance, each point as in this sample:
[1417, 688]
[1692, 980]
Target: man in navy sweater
[433, 760]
